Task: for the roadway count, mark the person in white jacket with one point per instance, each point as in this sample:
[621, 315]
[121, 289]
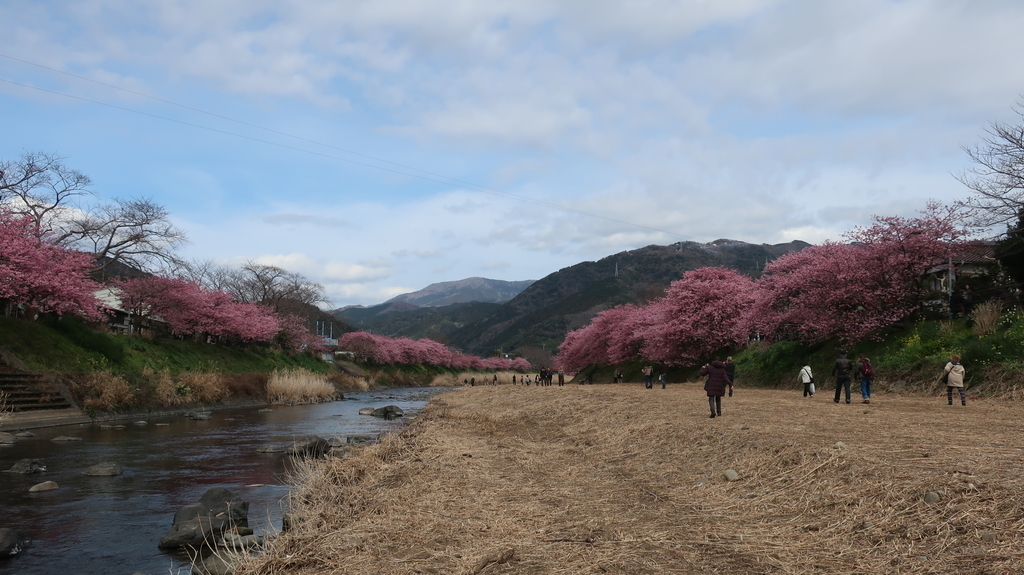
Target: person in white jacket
[807, 377]
[954, 376]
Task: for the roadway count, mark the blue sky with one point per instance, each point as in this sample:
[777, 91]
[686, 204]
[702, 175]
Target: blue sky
[756, 120]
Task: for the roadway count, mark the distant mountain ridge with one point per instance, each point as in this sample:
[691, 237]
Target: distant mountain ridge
[464, 291]
[535, 322]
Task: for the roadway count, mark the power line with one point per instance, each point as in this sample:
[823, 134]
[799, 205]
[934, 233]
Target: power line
[469, 185]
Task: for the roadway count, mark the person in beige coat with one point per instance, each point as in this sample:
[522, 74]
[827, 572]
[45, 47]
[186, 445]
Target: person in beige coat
[954, 376]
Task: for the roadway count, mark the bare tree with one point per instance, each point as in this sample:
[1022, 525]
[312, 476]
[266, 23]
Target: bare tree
[42, 187]
[136, 232]
[273, 286]
[997, 178]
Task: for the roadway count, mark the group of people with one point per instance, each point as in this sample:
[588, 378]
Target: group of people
[845, 370]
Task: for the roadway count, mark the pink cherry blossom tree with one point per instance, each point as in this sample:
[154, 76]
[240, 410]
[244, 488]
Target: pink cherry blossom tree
[700, 314]
[36, 273]
[850, 291]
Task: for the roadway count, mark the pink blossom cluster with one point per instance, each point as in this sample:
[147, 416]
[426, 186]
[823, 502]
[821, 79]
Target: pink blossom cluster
[400, 350]
[36, 273]
[188, 308]
[847, 291]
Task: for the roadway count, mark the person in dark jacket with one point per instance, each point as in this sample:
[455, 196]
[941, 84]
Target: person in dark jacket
[842, 370]
[718, 380]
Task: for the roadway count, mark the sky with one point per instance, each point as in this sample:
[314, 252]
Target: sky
[379, 146]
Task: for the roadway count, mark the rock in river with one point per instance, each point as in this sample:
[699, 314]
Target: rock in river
[389, 412]
[26, 466]
[105, 469]
[11, 542]
[44, 486]
[206, 521]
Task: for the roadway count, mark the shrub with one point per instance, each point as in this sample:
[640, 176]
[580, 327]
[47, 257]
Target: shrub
[105, 391]
[299, 386]
[204, 387]
[986, 317]
[168, 391]
[246, 384]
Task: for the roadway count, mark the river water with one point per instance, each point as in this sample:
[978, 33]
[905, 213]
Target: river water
[111, 525]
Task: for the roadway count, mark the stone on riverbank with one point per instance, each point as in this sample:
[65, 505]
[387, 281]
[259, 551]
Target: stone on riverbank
[272, 448]
[200, 415]
[44, 486]
[105, 469]
[27, 466]
[366, 411]
[24, 434]
[66, 438]
[214, 564]
[205, 522]
[7, 438]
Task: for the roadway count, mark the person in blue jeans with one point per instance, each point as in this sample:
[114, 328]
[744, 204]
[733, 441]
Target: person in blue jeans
[865, 373]
[842, 369]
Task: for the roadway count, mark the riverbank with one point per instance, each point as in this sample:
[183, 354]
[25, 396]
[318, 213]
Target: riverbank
[619, 479]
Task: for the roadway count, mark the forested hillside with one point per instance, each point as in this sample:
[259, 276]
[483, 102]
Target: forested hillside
[535, 322]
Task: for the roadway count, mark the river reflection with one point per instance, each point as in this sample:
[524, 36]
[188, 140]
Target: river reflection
[111, 525]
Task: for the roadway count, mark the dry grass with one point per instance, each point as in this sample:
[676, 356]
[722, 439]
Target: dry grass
[619, 479]
[299, 386]
[168, 391]
[203, 387]
[106, 391]
[343, 380]
[986, 317]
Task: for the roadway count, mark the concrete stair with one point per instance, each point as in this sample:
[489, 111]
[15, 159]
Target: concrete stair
[31, 392]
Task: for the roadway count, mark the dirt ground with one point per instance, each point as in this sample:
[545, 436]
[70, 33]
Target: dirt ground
[620, 479]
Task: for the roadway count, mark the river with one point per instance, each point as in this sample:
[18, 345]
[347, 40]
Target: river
[111, 525]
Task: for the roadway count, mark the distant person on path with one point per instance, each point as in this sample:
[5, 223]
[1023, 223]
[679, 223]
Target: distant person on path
[807, 378]
[648, 376]
[730, 370]
[513, 379]
[954, 377]
[495, 380]
[866, 374]
[561, 378]
[841, 370]
[617, 378]
[663, 379]
[472, 382]
[717, 381]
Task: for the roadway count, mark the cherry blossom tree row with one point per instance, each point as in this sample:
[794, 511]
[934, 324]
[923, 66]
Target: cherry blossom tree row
[847, 291]
[37, 272]
[400, 350]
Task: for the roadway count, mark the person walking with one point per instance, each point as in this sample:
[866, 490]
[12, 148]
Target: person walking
[648, 376]
[953, 376]
[841, 369]
[807, 378]
[730, 370]
[663, 379]
[866, 374]
[717, 381]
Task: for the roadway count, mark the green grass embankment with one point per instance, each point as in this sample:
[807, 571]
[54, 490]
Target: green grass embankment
[66, 346]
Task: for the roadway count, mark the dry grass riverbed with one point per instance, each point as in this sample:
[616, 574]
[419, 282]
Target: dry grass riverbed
[619, 479]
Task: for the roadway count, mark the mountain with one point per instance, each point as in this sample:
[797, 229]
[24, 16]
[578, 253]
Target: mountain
[463, 291]
[535, 322]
